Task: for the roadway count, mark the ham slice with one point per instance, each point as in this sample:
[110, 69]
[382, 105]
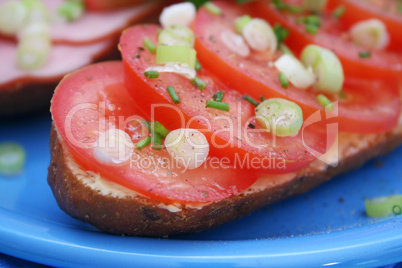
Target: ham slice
[62, 60]
[95, 26]
[75, 44]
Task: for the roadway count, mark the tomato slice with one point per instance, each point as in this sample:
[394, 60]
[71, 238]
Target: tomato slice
[107, 5]
[94, 99]
[229, 133]
[386, 11]
[370, 107]
[381, 64]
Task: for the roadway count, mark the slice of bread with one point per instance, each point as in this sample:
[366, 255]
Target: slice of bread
[115, 209]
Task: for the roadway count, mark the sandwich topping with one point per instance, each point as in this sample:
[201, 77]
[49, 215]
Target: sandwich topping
[205, 105]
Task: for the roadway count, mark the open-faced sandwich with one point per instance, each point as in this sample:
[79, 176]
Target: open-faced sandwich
[42, 40]
[215, 114]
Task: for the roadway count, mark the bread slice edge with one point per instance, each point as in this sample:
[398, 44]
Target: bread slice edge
[122, 211]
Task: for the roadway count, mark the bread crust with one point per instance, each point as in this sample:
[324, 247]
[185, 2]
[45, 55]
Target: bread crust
[140, 216]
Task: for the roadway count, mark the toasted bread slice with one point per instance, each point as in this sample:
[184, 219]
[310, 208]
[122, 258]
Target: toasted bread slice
[115, 209]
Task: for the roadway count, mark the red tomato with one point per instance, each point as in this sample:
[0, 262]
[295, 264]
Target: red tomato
[386, 11]
[94, 99]
[220, 127]
[370, 107]
[107, 5]
[381, 64]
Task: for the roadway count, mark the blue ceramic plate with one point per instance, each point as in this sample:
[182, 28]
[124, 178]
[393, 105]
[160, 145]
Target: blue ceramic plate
[326, 227]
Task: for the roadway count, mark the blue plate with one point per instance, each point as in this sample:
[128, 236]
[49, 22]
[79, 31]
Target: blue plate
[326, 227]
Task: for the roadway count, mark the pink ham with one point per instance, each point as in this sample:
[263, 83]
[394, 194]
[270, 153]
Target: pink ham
[62, 60]
[95, 26]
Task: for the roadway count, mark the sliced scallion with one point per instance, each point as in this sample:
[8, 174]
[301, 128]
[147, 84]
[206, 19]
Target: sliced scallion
[218, 96]
[156, 140]
[371, 34]
[198, 65]
[173, 94]
[71, 10]
[159, 128]
[176, 54]
[241, 22]
[295, 72]
[198, 83]
[143, 143]
[176, 35]
[212, 8]
[326, 66]
[250, 100]
[12, 158]
[279, 116]
[262, 98]
[37, 10]
[151, 74]
[33, 52]
[149, 45]
[260, 36]
[13, 15]
[218, 105]
[383, 206]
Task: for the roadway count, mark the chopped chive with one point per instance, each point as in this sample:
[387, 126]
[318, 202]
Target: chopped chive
[212, 8]
[158, 31]
[151, 74]
[250, 100]
[262, 98]
[198, 65]
[342, 94]
[243, 1]
[294, 8]
[147, 124]
[291, 8]
[325, 102]
[285, 49]
[365, 54]
[284, 81]
[149, 45]
[311, 28]
[159, 128]
[173, 94]
[279, 4]
[313, 19]
[339, 11]
[156, 141]
[218, 96]
[280, 32]
[144, 143]
[218, 105]
[198, 83]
